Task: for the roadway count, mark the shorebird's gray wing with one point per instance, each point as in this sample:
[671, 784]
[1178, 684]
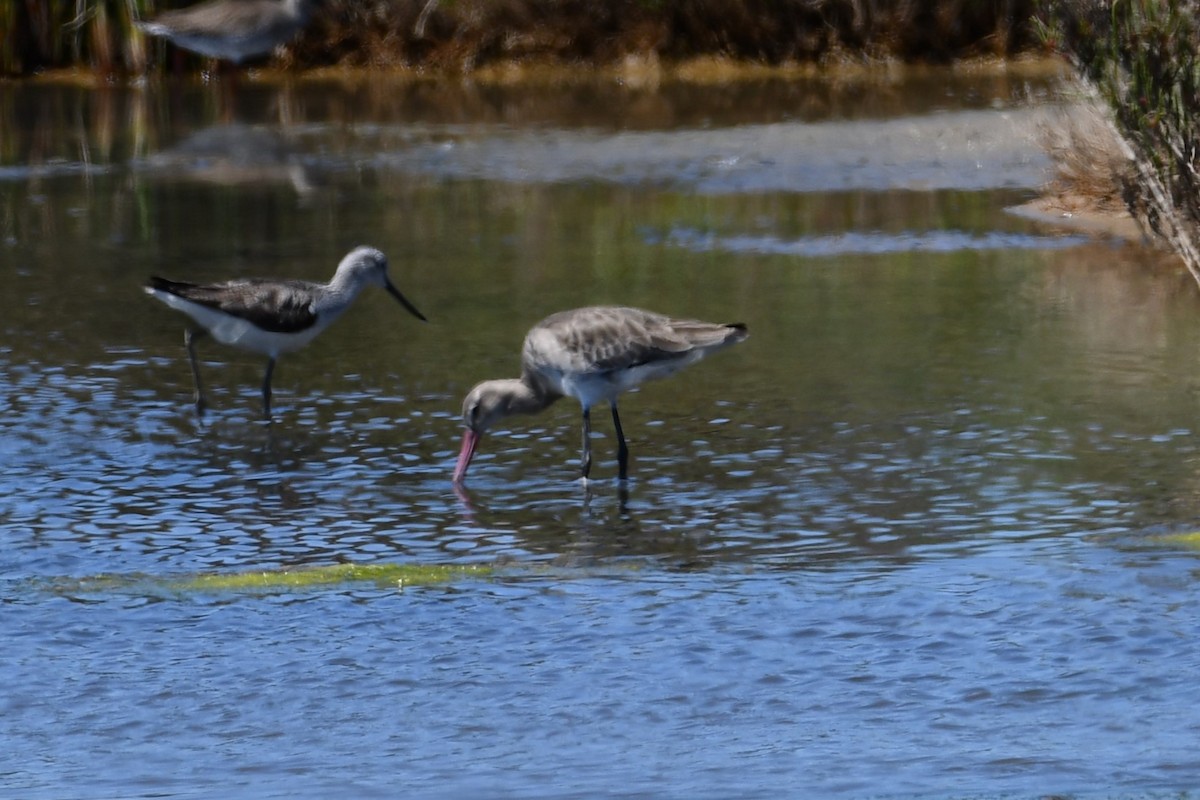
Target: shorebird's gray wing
[231, 30]
[218, 16]
[270, 305]
[602, 339]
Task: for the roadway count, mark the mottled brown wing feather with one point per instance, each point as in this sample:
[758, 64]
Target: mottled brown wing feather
[278, 306]
[605, 339]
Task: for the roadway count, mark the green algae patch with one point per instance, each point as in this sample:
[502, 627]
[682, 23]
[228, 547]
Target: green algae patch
[1187, 539]
[399, 575]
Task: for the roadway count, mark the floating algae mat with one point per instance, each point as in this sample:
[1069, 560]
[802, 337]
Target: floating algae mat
[398, 575]
[303, 577]
[1186, 539]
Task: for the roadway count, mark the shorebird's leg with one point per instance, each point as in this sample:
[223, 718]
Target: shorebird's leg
[189, 340]
[622, 448]
[266, 389]
[585, 464]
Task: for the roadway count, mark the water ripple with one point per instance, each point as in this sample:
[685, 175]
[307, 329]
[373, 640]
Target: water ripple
[869, 243]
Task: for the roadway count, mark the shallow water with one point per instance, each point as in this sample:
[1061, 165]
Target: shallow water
[911, 539]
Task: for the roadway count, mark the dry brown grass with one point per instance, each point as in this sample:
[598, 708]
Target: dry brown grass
[1092, 167]
[467, 35]
[1143, 60]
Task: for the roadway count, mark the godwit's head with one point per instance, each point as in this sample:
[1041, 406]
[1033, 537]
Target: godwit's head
[484, 405]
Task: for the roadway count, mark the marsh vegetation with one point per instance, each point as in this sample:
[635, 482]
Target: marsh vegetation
[465, 35]
[1138, 64]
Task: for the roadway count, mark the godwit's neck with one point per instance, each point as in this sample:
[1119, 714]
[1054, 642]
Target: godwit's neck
[525, 395]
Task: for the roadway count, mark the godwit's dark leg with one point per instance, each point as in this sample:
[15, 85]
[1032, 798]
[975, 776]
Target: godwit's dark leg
[266, 389]
[585, 464]
[189, 340]
[622, 449]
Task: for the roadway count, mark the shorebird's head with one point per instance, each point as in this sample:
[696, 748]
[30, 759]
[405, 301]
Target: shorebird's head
[484, 405]
[365, 266]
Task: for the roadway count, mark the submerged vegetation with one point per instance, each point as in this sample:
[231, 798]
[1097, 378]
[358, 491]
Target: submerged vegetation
[398, 575]
[464, 35]
[1141, 58]
[279, 580]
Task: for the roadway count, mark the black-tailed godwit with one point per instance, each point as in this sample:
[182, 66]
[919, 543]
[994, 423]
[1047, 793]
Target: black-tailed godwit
[592, 354]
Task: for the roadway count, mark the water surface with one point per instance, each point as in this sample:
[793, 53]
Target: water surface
[913, 538]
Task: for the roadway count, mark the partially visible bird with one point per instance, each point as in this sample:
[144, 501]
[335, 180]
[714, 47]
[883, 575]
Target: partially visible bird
[233, 30]
[592, 354]
[272, 316]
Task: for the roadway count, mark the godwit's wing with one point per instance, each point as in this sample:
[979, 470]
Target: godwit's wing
[623, 346]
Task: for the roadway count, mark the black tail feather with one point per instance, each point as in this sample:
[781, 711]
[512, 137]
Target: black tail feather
[163, 285]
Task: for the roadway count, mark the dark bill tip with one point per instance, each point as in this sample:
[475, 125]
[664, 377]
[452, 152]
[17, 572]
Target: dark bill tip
[394, 292]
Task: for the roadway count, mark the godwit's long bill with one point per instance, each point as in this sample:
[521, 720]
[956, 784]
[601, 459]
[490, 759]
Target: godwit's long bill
[592, 354]
[232, 29]
[272, 316]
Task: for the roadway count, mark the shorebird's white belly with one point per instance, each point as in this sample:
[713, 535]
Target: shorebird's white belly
[238, 332]
[591, 388]
[587, 389]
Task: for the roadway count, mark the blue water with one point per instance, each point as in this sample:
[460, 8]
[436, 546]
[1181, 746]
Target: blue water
[1003, 673]
[922, 535]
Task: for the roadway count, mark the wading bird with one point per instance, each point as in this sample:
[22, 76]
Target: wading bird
[592, 354]
[233, 30]
[272, 316]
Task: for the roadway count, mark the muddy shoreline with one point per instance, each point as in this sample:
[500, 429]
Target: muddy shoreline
[634, 72]
[1078, 214]
[1020, 140]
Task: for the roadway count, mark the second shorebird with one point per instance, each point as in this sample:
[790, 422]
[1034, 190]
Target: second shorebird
[592, 354]
[272, 316]
[233, 30]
